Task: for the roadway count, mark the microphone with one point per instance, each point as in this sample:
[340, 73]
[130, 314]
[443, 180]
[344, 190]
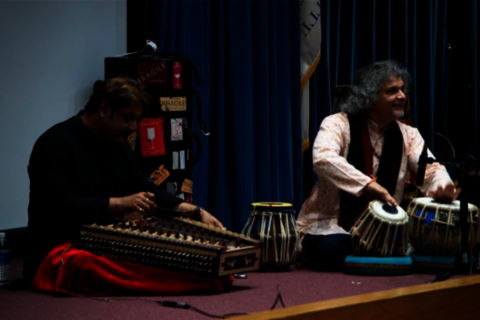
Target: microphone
[422, 166]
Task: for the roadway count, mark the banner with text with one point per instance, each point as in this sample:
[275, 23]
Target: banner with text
[310, 43]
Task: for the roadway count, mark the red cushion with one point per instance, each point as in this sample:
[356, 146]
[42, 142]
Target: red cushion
[69, 270]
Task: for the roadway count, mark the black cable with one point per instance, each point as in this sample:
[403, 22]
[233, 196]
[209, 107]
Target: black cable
[186, 306]
[441, 135]
[116, 299]
[465, 154]
[182, 305]
[228, 315]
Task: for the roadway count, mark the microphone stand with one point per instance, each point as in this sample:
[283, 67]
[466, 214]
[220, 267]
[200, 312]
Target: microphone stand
[464, 260]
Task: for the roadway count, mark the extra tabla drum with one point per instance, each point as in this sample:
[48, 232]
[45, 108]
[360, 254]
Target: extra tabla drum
[380, 231]
[273, 223]
[435, 227]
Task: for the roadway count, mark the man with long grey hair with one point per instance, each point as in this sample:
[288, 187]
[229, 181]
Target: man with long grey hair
[363, 153]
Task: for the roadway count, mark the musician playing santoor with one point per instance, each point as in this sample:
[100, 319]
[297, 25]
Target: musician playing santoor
[82, 171]
[363, 153]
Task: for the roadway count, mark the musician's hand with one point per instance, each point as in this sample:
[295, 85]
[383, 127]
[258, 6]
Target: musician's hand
[207, 218]
[142, 202]
[380, 193]
[447, 194]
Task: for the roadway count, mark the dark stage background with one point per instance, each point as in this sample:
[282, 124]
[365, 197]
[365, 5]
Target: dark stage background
[248, 55]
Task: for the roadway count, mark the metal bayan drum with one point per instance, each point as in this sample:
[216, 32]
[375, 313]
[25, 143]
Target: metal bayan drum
[380, 231]
[273, 223]
[435, 227]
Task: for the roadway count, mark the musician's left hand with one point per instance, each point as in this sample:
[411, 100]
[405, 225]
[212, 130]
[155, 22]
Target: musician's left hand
[446, 194]
[207, 218]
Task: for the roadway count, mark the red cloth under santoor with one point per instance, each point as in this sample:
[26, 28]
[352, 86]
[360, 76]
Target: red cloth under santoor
[76, 272]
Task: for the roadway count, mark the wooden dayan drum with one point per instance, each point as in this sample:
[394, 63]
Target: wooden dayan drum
[435, 227]
[380, 231]
[273, 223]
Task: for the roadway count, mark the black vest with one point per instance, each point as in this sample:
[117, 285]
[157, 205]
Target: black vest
[360, 155]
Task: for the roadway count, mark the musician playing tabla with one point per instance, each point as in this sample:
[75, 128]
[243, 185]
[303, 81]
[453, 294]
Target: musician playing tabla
[83, 171]
[363, 153]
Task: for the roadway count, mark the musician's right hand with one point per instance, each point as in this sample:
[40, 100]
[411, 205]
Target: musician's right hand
[446, 194]
[143, 202]
[207, 218]
[380, 193]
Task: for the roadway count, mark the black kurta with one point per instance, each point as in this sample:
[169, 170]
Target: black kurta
[72, 176]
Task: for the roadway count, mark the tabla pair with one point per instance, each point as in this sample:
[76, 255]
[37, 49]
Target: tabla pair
[431, 228]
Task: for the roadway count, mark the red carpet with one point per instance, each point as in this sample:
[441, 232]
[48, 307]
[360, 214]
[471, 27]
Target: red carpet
[255, 294]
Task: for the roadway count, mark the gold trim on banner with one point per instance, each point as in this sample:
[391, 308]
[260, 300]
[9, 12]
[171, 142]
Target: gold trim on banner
[310, 71]
[305, 144]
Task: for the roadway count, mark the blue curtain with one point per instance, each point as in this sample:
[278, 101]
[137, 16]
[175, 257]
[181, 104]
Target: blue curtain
[247, 53]
[356, 33]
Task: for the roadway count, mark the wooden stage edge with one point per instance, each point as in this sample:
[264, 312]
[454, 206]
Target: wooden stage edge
[457, 299]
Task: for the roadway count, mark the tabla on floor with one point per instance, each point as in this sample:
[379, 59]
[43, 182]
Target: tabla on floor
[435, 227]
[273, 223]
[380, 231]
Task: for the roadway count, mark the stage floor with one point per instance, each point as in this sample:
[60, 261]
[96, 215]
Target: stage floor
[298, 285]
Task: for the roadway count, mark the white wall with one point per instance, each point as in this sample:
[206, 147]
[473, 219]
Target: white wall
[51, 53]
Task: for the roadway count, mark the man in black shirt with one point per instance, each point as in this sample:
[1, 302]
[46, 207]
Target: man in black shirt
[83, 171]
